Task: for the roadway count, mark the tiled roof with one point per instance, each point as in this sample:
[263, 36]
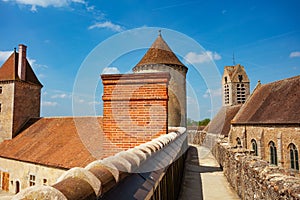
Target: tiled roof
[220, 124]
[9, 70]
[273, 103]
[159, 53]
[56, 142]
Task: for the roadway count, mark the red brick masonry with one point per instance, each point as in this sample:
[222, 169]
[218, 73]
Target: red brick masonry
[135, 107]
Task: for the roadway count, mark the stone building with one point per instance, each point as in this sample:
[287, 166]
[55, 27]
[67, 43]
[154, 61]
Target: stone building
[236, 90]
[36, 151]
[160, 58]
[269, 123]
[20, 93]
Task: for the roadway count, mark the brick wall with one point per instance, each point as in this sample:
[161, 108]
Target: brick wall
[135, 108]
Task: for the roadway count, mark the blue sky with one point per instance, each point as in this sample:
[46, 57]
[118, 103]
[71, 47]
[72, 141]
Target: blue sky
[61, 34]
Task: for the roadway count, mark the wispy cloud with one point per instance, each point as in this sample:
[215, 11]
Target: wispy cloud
[203, 57]
[60, 96]
[4, 55]
[107, 25]
[295, 54]
[49, 103]
[45, 3]
[110, 70]
[212, 93]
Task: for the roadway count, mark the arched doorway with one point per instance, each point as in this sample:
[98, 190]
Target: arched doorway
[17, 187]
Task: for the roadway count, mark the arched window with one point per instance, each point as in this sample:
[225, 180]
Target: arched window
[254, 147]
[273, 153]
[294, 157]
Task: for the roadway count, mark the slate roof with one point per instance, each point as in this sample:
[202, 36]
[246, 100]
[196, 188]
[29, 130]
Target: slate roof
[9, 70]
[56, 142]
[220, 124]
[273, 103]
[159, 53]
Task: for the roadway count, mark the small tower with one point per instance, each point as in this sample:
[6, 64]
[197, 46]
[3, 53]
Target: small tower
[20, 94]
[236, 85]
[160, 58]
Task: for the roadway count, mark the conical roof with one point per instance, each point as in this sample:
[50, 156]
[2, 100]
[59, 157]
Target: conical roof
[159, 53]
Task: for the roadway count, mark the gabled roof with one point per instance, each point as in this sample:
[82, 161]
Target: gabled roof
[232, 73]
[273, 103]
[9, 70]
[56, 142]
[159, 53]
[220, 124]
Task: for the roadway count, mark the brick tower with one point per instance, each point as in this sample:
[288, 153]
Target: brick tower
[236, 85]
[20, 93]
[160, 58]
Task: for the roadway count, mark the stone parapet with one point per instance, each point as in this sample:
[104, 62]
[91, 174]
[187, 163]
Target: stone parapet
[253, 178]
[148, 167]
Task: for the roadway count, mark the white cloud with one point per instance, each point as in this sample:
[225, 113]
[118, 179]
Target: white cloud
[203, 57]
[45, 3]
[295, 54]
[94, 103]
[49, 103]
[110, 70]
[108, 25]
[4, 55]
[60, 96]
[212, 93]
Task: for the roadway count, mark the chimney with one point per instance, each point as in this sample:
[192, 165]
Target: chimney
[22, 62]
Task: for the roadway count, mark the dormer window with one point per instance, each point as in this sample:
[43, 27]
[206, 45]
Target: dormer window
[240, 78]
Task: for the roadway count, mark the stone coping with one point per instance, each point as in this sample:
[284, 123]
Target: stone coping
[100, 176]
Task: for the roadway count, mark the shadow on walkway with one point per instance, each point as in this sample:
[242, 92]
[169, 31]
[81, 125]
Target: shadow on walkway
[203, 178]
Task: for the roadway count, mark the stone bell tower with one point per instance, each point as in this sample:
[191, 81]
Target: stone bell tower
[235, 85]
[20, 94]
[160, 58]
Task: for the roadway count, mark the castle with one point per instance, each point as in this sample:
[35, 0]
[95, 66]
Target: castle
[137, 108]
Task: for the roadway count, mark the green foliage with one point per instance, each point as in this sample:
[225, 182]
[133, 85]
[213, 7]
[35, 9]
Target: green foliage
[204, 122]
[191, 122]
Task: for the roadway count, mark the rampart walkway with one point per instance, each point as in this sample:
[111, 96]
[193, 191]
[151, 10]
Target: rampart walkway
[203, 178]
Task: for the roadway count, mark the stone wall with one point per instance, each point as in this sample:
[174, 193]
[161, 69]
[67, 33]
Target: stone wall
[281, 135]
[253, 178]
[6, 115]
[19, 101]
[27, 98]
[19, 171]
[135, 108]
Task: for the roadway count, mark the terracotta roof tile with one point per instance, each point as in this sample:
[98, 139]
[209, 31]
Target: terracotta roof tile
[159, 53]
[56, 142]
[276, 102]
[9, 70]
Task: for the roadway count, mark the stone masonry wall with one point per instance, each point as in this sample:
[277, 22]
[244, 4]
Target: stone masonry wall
[281, 135]
[26, 104]
[6, 114]
[253, 178]
[135, 108]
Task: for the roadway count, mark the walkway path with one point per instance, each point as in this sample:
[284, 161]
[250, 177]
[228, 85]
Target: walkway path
[203, 178]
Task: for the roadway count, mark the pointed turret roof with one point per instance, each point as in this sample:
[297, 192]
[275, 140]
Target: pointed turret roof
[9, 70]
[159, 53]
